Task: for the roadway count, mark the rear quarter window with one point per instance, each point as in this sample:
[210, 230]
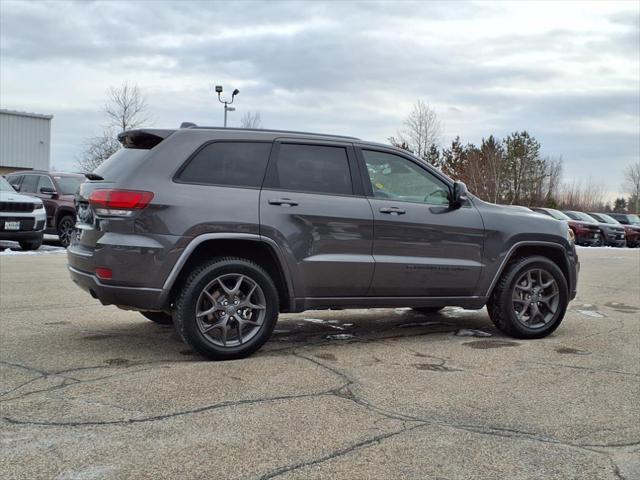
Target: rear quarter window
[237, 164]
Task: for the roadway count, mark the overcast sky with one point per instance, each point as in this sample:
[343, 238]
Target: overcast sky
[569, 73]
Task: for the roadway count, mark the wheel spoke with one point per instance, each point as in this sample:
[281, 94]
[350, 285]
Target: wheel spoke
[239, 330]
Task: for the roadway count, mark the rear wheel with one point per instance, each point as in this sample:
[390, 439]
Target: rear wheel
[227, 308]
[31, 244]
[66, 228]
[600, 241]
[160, 318]
[426, 310]
[530, 299]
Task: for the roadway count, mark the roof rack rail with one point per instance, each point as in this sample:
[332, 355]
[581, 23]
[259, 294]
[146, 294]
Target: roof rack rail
[271, 130]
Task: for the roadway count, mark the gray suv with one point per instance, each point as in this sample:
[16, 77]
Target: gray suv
[218, 230]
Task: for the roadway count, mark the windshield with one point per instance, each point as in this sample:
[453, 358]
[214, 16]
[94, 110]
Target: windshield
[634, 219]
[68, 185]
[581, 216]
[5, 186]
[607, 218]
[557, 214]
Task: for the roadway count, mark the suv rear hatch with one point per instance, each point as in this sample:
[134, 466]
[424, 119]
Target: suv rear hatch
[102, 205]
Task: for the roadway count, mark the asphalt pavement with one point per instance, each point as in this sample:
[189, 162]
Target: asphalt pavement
[93, 392]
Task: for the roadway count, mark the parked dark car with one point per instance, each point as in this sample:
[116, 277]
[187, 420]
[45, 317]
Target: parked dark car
[56, 190]
[631, 224]
[218, 230]
[612, 231]
[585, 232]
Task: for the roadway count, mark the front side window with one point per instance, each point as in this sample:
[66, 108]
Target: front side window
[238, 164]
[396, 178]
[29, 184]
[45, 182]
[15, 181]
[312, 168]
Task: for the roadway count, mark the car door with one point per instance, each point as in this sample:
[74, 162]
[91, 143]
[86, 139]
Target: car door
[422, 246]
[312, 205]
[47, 198]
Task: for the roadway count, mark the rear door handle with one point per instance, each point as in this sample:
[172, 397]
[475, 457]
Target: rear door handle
[283, 201]
[392, 210]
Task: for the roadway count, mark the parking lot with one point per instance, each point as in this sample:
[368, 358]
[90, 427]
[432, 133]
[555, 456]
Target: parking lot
[92, 392]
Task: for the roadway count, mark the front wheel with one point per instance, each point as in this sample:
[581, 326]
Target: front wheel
[31, 244]
[600, 242]
[227, 308]
[66, 229]
[530, 299]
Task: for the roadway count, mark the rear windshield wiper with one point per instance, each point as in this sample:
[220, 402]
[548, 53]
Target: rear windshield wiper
[93, 176]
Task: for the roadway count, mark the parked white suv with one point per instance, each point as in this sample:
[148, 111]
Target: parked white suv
[22, 218]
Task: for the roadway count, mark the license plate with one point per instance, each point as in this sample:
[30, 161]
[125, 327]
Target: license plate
[12, 225]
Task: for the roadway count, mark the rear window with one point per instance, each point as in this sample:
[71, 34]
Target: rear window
[312, 168]
[121, 163]
[238, 164]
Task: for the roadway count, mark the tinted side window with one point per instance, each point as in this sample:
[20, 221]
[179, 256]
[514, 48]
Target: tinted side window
[397, 178]
[228, 163]
[45, 182]
[313, 168]
[29, 184]
[15, 181]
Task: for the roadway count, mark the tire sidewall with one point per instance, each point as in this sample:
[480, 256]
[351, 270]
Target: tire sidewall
[63, 219]
[187, 322]
[506, 300]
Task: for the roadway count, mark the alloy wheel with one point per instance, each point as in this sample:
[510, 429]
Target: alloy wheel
[535, 298]
[65, 231]
[230, 310]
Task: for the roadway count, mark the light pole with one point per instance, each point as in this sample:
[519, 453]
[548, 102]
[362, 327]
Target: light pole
[227, 108]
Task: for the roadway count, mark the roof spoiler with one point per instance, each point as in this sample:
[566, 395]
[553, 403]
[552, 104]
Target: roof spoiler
[144, 139]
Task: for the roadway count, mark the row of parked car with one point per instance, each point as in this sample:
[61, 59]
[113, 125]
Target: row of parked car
[36, 202]
[599, 229]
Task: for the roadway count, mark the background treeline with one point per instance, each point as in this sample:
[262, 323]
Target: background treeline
[508, 170]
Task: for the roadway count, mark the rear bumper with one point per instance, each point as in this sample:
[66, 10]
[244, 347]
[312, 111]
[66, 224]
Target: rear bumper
[131, 297]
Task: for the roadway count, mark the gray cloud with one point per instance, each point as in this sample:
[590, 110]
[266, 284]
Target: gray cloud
[345, 67]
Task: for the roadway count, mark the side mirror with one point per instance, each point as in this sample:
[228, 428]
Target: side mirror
[16, 186]
[48, 191]
[459, 195]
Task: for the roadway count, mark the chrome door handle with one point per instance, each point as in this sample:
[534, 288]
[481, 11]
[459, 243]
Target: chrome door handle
[283, 201]
[392, 210]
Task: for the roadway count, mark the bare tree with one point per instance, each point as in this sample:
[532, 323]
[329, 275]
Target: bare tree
[632, 184]
[126, 109]
[421, 130]
[97, 150]
[251, 120]
[587, 198]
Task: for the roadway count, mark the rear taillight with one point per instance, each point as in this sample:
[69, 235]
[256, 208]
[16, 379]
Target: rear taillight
[118, 203]
[104, 273]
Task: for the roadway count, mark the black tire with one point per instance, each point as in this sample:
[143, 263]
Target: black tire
[65, 229]
[501, 307]
[601, 240]
[426, 310]
[160, 318]
[31, 244]
[184, 314]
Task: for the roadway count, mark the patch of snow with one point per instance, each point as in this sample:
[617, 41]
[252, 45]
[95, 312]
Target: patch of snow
[340, 336]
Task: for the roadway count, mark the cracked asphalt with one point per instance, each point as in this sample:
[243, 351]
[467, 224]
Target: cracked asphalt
[92, 392]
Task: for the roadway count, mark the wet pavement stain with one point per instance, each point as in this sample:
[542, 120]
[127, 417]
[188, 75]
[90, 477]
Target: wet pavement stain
[188, 352]
[486, 344]
[326, 356]
[571, 351]
[621, 307]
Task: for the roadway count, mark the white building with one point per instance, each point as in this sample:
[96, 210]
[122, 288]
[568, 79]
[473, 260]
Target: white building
[25, 141]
